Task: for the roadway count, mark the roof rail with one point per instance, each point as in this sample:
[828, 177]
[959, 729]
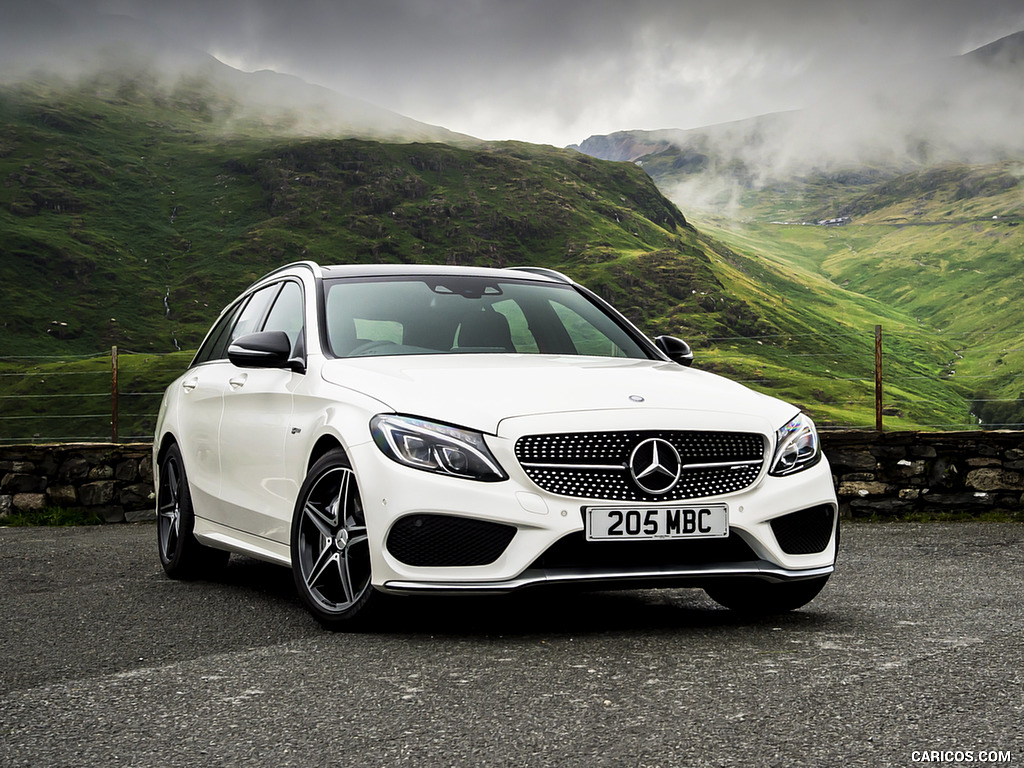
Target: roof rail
[312, 266]
[545, 272]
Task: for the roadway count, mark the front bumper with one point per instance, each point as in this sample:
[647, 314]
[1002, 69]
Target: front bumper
[545, 523]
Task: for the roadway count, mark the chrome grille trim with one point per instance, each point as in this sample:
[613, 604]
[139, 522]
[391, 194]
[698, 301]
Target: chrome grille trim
[720, 464]
[596, 465]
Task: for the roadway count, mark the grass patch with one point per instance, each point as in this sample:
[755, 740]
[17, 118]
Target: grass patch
[52, 516]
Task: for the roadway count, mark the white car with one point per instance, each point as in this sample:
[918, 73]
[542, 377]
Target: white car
[415, 429]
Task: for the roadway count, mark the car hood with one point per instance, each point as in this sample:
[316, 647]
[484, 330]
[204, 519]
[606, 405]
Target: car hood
[480, 391]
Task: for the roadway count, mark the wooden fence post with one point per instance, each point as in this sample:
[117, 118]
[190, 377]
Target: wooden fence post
[878, 378]
[113, 394]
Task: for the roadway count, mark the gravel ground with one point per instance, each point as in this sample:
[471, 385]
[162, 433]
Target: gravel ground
[913, 653]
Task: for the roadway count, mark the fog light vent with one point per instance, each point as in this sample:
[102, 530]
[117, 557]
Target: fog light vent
[438, 541]
[805, 532]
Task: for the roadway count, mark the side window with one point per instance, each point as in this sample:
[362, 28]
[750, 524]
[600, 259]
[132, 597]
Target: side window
[216, 344]
[240, 320]
[286, 315]
[251, 317]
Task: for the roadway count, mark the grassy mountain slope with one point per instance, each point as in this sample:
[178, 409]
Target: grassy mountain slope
[940, 247]
[131, 219]
[130, 215]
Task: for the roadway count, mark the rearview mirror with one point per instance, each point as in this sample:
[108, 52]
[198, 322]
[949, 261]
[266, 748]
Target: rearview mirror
[677, 350]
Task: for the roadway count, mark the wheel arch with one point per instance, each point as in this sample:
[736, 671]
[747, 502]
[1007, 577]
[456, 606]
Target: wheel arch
[323, 445]
[161, 449]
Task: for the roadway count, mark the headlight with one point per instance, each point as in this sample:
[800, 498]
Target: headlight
[435, 447]
[797, 447]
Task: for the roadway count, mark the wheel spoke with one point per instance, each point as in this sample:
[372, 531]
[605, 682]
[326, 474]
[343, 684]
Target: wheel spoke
[172, 481]
[323, 561]
[322, 522]
[343, 491]
[169, 532]
[166, 529]
[346, 578]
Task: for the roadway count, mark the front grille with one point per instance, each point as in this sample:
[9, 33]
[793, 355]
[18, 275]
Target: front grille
[595, 465]
[574, 551]
[443, 540]
[805, 532]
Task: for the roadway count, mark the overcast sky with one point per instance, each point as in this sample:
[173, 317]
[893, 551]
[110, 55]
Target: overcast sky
[557, 71]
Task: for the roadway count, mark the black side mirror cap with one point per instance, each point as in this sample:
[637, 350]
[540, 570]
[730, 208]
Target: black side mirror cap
[268, 349]
[677, 350]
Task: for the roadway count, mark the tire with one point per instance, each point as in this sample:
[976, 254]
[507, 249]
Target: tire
[329, 546]
[181, 555]
[756, 597]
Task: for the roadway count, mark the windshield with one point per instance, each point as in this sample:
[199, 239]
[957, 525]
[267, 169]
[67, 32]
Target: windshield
[467, 315]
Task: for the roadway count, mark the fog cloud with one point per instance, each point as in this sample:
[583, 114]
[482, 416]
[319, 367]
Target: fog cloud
[557, 71]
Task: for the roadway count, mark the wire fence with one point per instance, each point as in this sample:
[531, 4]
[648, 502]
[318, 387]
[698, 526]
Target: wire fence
[860, 380]
[103, 397]
[909, 380]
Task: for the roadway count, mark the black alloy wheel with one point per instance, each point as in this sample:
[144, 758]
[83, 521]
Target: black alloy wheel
[329, 545]
[181, 555]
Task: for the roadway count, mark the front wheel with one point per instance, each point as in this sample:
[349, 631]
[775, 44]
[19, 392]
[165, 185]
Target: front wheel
[329, 545]
[757, 597]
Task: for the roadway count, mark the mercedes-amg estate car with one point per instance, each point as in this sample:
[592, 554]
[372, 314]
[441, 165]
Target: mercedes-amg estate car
[415, 429]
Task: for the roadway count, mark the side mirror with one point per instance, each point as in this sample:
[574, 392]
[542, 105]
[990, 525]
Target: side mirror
[677, 350]
[269, 349]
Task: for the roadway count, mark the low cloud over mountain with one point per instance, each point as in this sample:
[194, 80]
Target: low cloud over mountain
[963, 109]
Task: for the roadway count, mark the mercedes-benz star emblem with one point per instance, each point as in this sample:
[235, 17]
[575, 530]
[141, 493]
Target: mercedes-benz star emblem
[655, 466]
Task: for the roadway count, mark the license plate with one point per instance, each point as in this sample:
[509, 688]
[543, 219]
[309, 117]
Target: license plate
[632, 523]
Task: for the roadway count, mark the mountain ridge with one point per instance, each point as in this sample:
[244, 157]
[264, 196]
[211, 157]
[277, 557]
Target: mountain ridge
[64, 48]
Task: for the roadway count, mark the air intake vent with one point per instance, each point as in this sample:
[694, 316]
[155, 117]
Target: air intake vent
[443, 540]
[805, 532]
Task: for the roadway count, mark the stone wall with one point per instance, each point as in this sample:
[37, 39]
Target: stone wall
[892, 475]
[927, 474]
[115, 482]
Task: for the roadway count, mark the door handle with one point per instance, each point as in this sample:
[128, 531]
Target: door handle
[237, 381]
[191, 383]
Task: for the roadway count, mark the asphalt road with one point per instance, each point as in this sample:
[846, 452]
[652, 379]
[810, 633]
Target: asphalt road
[914, 650]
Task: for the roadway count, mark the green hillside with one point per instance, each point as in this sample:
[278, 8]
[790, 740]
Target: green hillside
[941, 247]
[129, 215]
[131, 219]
